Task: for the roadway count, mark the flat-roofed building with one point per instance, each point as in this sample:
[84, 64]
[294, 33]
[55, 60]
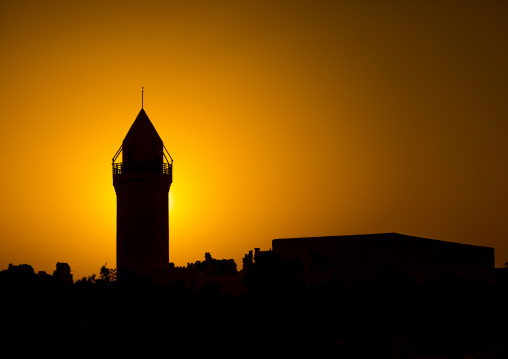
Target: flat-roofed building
[362, 257]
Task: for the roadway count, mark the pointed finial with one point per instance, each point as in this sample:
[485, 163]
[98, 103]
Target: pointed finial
[142, 88]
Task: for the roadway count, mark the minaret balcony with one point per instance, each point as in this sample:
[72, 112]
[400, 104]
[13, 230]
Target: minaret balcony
[120, 168]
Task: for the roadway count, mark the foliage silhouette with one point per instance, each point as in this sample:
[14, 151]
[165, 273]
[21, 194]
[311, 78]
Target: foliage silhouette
[389, 317]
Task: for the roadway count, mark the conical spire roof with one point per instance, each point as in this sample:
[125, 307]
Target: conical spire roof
[142, 142]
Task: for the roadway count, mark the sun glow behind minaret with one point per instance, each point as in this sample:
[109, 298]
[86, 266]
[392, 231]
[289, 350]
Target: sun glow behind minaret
[171, 201]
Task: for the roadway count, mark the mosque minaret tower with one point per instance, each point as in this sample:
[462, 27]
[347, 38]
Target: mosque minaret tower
[142, 181]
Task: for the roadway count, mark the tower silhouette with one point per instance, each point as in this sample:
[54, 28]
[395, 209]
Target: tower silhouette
[142, 183]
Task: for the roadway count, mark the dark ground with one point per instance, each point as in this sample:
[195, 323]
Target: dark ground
[392, 317]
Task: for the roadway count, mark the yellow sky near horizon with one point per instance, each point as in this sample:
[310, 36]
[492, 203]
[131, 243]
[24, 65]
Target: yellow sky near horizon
[285, 119]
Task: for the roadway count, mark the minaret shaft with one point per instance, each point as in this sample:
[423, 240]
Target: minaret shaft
[142, 221]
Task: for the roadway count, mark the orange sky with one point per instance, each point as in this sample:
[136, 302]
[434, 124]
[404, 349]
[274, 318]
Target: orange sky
[285, 119]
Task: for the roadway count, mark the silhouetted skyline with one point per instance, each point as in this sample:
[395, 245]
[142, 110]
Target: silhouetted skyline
[288, 119]
[274, 315]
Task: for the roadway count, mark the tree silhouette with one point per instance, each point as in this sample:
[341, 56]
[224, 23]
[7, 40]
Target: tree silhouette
[107, 274]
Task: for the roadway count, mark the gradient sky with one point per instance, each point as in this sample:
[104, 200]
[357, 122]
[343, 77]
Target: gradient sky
[285, 119]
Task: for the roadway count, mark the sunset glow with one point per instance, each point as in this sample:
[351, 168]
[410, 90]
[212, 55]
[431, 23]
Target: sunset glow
[171, 201]
[284, 119]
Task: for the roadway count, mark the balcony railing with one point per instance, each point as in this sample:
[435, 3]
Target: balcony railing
[120, 168]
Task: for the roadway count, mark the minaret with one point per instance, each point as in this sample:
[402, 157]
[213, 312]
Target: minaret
[142, 183]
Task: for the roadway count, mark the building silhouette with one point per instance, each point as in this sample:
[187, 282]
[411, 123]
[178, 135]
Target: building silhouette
[24, 273]
[63, 273]
[142, 181]
[339, 259]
